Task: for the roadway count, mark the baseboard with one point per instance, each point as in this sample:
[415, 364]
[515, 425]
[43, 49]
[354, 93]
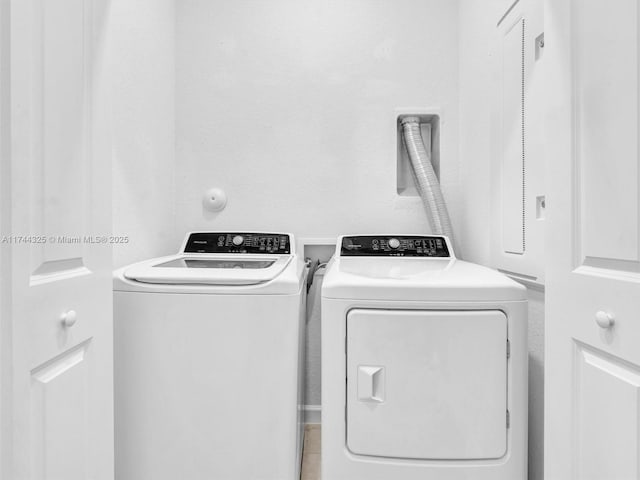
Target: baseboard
[312, 413]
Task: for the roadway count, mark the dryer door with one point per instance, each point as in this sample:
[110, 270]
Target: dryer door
[427, 384]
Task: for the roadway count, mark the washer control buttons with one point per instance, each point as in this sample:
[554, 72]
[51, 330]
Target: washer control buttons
[394, 243]
[238, 243]
[237, 240]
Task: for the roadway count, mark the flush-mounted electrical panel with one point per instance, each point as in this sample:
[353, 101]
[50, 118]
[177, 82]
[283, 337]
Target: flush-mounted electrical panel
[430, 131]
[517, 145]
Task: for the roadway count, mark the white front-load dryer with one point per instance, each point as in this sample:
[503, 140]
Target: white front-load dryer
[208, 361]
[424, 364]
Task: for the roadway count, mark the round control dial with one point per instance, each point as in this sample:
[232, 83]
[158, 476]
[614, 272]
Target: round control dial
[237, 240]
[394, 243]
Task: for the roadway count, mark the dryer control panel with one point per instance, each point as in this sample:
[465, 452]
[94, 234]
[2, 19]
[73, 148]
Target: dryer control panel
[394, 246]
[238, 242]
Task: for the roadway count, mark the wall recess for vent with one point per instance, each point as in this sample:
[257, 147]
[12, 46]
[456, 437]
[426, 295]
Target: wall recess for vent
[319, 249]
[430, 129]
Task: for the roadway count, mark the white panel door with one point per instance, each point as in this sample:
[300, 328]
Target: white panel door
[592, 405]
[427, 384]
[61, 376]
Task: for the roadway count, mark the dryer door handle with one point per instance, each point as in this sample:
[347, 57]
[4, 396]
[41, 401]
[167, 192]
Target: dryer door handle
[371, 383]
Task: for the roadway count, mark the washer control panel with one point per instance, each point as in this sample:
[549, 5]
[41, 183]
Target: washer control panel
[394, 246]
[238, 242]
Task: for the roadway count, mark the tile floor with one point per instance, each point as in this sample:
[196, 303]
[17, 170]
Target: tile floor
[311, 452]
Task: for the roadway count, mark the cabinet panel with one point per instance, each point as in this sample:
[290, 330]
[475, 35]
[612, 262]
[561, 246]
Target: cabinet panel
[59, 416]
[59, 177]
[606, 48]
[607, 417]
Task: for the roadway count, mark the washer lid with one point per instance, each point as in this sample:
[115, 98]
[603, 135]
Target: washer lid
[223, 269]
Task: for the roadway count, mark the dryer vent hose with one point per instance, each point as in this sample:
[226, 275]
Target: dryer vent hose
[425, 177]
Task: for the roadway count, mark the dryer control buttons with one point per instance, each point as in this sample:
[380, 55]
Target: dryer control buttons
[394, 246]
[237, 240]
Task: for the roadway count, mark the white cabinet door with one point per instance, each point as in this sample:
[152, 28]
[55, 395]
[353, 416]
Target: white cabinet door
[61, 374]
[592, 405]
[427, 384]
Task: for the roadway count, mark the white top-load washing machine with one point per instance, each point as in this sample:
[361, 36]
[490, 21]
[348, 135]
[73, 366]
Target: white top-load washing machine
[424, 364]
[208, 360]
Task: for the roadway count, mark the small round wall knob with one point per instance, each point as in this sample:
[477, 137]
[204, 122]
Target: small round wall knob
[394, 243]
[69, 318]
[214, 199]
[604, 319]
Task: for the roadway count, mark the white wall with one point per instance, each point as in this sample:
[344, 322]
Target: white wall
[289, 106]
[142, 48]
[476, 23]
